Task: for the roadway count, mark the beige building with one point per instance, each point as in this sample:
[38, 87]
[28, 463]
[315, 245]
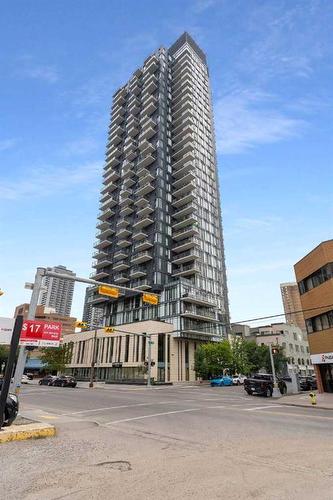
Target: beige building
[292, 302]
[122, 356]
[48, 314]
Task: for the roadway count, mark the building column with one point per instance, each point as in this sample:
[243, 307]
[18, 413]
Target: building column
[166, 357]
[320, 386]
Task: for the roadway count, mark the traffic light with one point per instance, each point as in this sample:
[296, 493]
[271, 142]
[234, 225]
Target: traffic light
[109, 329]
[150, 298]
[109, 291]
[275, 350]
[81, 324]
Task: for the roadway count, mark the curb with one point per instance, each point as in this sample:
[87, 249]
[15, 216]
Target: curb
[318, 407]
[27, 431]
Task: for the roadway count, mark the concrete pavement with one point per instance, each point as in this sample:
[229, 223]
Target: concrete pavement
[170, 442]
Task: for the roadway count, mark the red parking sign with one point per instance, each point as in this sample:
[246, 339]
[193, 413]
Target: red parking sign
[40, 333]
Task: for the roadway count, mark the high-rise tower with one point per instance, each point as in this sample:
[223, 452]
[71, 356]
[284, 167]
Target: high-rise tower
[57, 292]
[159, 226]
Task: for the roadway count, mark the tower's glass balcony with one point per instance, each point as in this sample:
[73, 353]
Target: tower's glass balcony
[180, 192]
[187, 256]
[120, 265]
[187, 270]
[183, 181]
[184, 222]
[141, 257]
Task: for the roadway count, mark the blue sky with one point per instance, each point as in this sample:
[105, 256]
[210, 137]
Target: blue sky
[271, 69]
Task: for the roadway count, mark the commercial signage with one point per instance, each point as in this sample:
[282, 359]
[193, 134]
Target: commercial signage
[6, 330]
[320, 359]
[40, 333]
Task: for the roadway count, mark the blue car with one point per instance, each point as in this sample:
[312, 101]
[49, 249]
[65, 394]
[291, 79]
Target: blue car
[221, 381]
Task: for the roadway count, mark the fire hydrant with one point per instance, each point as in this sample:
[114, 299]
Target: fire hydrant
[313, 398]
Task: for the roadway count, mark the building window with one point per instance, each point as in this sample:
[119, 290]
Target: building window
[320, 322]
[317, 278]
[126, 348]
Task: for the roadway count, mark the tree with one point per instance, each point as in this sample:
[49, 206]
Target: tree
[213, 359]
[56, 358]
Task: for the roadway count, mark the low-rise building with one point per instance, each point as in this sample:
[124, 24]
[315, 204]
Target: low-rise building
[122, 355]
[48, 314]
[293, 341]
[314, 274]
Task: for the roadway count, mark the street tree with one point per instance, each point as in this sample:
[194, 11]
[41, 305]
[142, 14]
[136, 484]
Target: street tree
[56, 358]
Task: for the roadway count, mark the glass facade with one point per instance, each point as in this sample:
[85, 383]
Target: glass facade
[159, 226]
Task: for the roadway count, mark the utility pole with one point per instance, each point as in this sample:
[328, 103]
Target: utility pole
[148, 336]
[275, 387]
[93, 362]
[31, 315]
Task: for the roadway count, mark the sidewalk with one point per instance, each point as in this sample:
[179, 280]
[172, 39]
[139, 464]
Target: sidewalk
[324, 401]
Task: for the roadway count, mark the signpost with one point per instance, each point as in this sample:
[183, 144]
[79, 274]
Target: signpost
[109, 291]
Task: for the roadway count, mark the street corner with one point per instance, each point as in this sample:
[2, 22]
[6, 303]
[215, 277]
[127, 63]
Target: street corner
[25, 431]
[309, 400]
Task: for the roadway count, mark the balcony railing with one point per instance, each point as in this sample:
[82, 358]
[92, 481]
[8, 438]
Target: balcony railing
[141, 257]
[142, 245]
[120, 278]
[180, 192]
[121, 254]
[186, 221]
[185, 244]
[187, 209]
[185, 232]
[186, 270]
[186, 256]
[137, 272]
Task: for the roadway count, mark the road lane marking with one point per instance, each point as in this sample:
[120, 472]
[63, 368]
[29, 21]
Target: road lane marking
[261, 407]
[152, 415]
[125, 406]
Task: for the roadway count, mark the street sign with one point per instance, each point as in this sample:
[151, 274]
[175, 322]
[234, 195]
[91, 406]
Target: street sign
[40, 333]
[109, 291]
[6, 330]
[150, 298]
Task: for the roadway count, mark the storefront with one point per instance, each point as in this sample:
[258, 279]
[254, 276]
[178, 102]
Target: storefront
[323, 364]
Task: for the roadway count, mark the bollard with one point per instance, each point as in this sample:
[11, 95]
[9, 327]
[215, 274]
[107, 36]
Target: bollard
[313, 398]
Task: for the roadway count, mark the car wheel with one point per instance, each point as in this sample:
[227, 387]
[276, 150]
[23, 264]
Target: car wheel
[49, 383]
[40, 382]
[268, 393]
[62, 384]
[249, 393]
[238, 382]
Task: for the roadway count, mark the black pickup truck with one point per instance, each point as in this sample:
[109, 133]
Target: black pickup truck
[262, 384]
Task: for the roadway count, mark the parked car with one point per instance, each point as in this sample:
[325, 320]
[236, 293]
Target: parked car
[11, 408]
[221, 381]
[238, 379]
[30, 376]
[65, 381]
[47, 380]
[307, 383]
[24, 379]
[262, 384]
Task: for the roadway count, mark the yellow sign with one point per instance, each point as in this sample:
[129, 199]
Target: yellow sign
[109, 329]
[80, 324]
[150, 298]
[109, 291]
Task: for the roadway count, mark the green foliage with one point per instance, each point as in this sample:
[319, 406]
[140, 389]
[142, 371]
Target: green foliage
[213, 358]
[56, 358]
[238, 356]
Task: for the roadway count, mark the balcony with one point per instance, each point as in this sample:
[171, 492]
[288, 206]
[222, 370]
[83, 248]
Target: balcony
[111, 202]
[148, 130]
[100, 254]
[141, 257]
[124, 243]
[151, 65]
[103, 225]
[188, 113]
[120, 278]
[180, 192]
[185, 210]
[137, 272]
[132, 127]
[186, 256]
[186, 270]
[182, 140]
[98, 275]
[145, 160]
[183, 181]
[102, 263]
[186, 159]
[125, 200]
[142, 284]
[104, 233]
[183, 125]
[185, 244]
[126, 210]
[144, 190]
[129, 145]
[134, 108]
[141, 202]
[151, 84]
[105, 214]
[181, 202]
[119, 93]
[143, 212]
[186, 221]
[180, 110]
[127, 169]
[121, 254]
[146, 147]
[198, 298]
[125, 191]
[149, 105]
[142, 245]
[185, 232]
[111, 175]
[142, 222]
[112, 162]
[115, 139]
[186, 148]
[184, 170]
[143, 172]
[109, 188]
[102, 243]
[122, 222]
[199, 314]
[123, 232]
[135, 86]
[118, 116]
[120, 265]
[139, 235]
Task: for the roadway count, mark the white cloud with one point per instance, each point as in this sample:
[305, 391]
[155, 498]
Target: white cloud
[27, 67]
[7, 144]
[46, 181]
[245, 119]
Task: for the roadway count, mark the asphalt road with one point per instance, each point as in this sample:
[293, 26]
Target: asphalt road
[176, 442]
